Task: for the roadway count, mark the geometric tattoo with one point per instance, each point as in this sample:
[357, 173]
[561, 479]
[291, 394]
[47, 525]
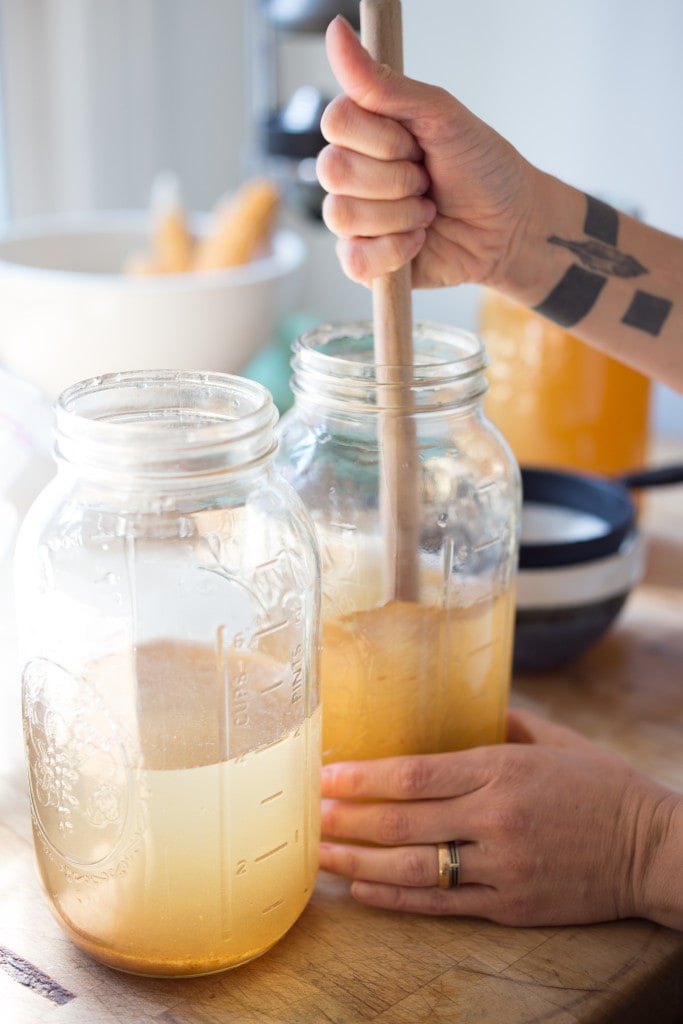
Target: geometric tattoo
[578, 291]
[647, 312]
[573, 297]
[602, 221]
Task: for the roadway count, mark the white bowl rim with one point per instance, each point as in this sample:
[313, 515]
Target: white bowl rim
[289, 251]
[585, 583]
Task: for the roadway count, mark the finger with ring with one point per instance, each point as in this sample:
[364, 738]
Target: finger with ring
[448, 864]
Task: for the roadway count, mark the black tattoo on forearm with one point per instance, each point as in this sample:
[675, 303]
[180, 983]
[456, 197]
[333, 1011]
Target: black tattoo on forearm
[602, 258]
[573, 298]
[647, 313]
[579, 289]
[602, 221]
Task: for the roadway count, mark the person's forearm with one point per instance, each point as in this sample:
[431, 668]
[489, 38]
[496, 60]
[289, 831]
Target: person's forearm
[608, 278]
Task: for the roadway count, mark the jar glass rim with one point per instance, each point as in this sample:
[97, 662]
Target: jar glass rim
[164, 424]
[442, 353]
[335, 364]
[166, 407]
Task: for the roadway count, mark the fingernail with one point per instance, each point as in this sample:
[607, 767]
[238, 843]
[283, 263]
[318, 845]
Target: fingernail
[429, 211]
[425, 184]
[362, 890]
[344, 21]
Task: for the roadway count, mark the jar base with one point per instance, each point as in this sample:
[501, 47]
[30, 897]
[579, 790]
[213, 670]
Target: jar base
[169, 968]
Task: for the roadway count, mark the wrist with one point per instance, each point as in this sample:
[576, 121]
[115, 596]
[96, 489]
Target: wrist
[661, 863]
[551, 209]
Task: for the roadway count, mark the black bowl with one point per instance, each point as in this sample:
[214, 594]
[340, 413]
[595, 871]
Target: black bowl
[580, 555]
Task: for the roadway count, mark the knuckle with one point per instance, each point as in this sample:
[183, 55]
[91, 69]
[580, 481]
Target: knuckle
[336, 118]
[336, 215]
[332, 819]
[351, 864]
[406, 178]
[393, 143]
[354, 261]
[321, 165]
[355, 780]
[516, 767]
[393, 826]
[413, 777]
[414, 870]
[332, 168]
[508, 822]
[399, 251]
[439, 902]
[395, 898]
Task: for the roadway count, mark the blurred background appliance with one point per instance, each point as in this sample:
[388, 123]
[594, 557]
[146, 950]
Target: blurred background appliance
[286, 108]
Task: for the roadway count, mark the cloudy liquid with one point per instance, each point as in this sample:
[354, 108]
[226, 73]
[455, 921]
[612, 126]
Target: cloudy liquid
[215, 861]
[407, 678]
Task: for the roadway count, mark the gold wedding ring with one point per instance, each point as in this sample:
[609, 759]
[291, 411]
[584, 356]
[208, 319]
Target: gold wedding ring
[448, 864]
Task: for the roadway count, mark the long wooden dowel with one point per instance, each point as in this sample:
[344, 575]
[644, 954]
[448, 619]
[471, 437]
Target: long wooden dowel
[382, 36]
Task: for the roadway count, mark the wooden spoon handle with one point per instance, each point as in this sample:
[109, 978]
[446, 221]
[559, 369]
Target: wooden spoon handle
[381, 31]
[382, 36]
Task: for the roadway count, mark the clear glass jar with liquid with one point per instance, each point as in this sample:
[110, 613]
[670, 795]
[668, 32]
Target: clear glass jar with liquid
[167, 584]
[559, 402]
[425, 671]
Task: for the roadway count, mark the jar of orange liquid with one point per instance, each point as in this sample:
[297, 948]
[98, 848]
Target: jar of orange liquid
[431, 673]
[559, 402]
[168, 601]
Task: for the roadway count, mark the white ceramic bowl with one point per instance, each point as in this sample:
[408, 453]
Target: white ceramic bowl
[68, 313]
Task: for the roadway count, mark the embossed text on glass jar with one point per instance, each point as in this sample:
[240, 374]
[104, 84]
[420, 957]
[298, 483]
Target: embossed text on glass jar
[403, 676]
[168, 601]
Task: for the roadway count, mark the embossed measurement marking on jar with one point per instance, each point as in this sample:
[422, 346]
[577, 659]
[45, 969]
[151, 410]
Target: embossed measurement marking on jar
[270, 853]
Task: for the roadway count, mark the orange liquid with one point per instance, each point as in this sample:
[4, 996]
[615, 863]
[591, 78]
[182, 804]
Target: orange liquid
[558, 401]
[407, 678]
[183, 863]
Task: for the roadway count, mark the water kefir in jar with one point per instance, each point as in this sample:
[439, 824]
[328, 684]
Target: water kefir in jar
[558, 401]
[379, 662]
[421, 668]
[168, 900]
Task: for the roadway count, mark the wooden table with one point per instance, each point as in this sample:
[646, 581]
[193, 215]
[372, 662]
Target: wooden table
[348, 964]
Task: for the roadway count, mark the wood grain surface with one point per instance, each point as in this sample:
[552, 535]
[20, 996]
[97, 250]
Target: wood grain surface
[348, 964]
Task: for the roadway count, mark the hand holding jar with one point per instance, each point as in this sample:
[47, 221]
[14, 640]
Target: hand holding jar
[550, 829]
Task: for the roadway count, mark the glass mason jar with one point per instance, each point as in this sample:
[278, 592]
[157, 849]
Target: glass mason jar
[167, 584]
[559, 402]
[427, 671]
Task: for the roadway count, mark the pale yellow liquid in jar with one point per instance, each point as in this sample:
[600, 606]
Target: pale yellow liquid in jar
[216, 860]
[405, 678]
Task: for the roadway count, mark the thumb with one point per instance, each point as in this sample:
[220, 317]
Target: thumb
[376, 87]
